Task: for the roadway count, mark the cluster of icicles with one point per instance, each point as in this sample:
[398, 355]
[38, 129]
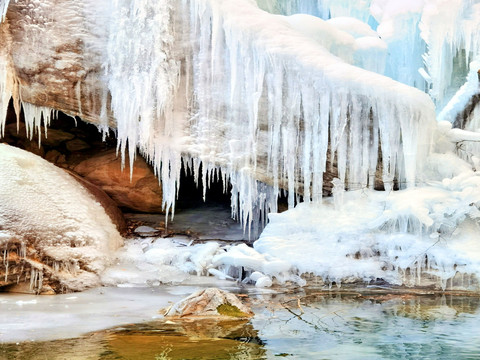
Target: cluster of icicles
[260, 105]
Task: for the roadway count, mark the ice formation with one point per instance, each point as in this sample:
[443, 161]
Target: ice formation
[236, 100]
[43, 209]
[154, 261]
[267, 101]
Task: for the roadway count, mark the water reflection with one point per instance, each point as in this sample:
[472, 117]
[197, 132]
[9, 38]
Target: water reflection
[158, 340]
[313, 326]
[306, 325]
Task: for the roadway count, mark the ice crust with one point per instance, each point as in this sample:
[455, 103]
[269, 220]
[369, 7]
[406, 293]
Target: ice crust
[155, 261]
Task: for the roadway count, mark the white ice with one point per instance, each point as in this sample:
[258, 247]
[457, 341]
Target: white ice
[147, 262]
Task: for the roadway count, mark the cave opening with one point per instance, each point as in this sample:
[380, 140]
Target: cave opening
[79, 147]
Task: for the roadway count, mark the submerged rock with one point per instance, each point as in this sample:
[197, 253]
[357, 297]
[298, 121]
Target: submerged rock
[211, 302]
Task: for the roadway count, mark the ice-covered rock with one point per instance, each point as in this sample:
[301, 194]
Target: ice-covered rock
[273, 101]
[53, 231]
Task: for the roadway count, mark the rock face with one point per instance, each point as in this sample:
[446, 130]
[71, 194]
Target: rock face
[140, 193]
[54, 235]
[56, 54]
[211, 302]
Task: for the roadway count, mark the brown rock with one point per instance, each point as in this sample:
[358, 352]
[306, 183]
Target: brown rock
[53, 156]
[141, 193]
[34, 148]
[55, 137]
[77, 145]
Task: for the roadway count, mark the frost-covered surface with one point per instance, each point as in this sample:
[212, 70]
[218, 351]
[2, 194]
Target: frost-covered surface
[424, 236]
[44, 208]
[222, 84]
[420, 236]
[398, 237]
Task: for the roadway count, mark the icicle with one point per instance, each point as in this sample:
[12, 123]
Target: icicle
[5, 92]
[3, 9]
[452, 35]
[36, 279]
[35, 118]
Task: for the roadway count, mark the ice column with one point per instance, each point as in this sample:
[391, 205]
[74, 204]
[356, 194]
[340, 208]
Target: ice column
[5, 94]
[143, 79]
[359, 9]
[399, 28]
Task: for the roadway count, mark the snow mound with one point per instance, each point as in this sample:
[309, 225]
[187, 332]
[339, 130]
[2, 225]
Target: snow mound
[53, 219]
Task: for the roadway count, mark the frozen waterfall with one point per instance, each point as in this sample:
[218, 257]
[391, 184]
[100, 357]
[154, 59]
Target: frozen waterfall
[271, 94]
[263, 96]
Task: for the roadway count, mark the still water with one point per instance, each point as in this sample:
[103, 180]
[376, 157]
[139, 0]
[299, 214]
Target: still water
[306, 325]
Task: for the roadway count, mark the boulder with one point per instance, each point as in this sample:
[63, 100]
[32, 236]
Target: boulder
[141, 192]
[211, 302]
[107, 203]
[54, 235]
